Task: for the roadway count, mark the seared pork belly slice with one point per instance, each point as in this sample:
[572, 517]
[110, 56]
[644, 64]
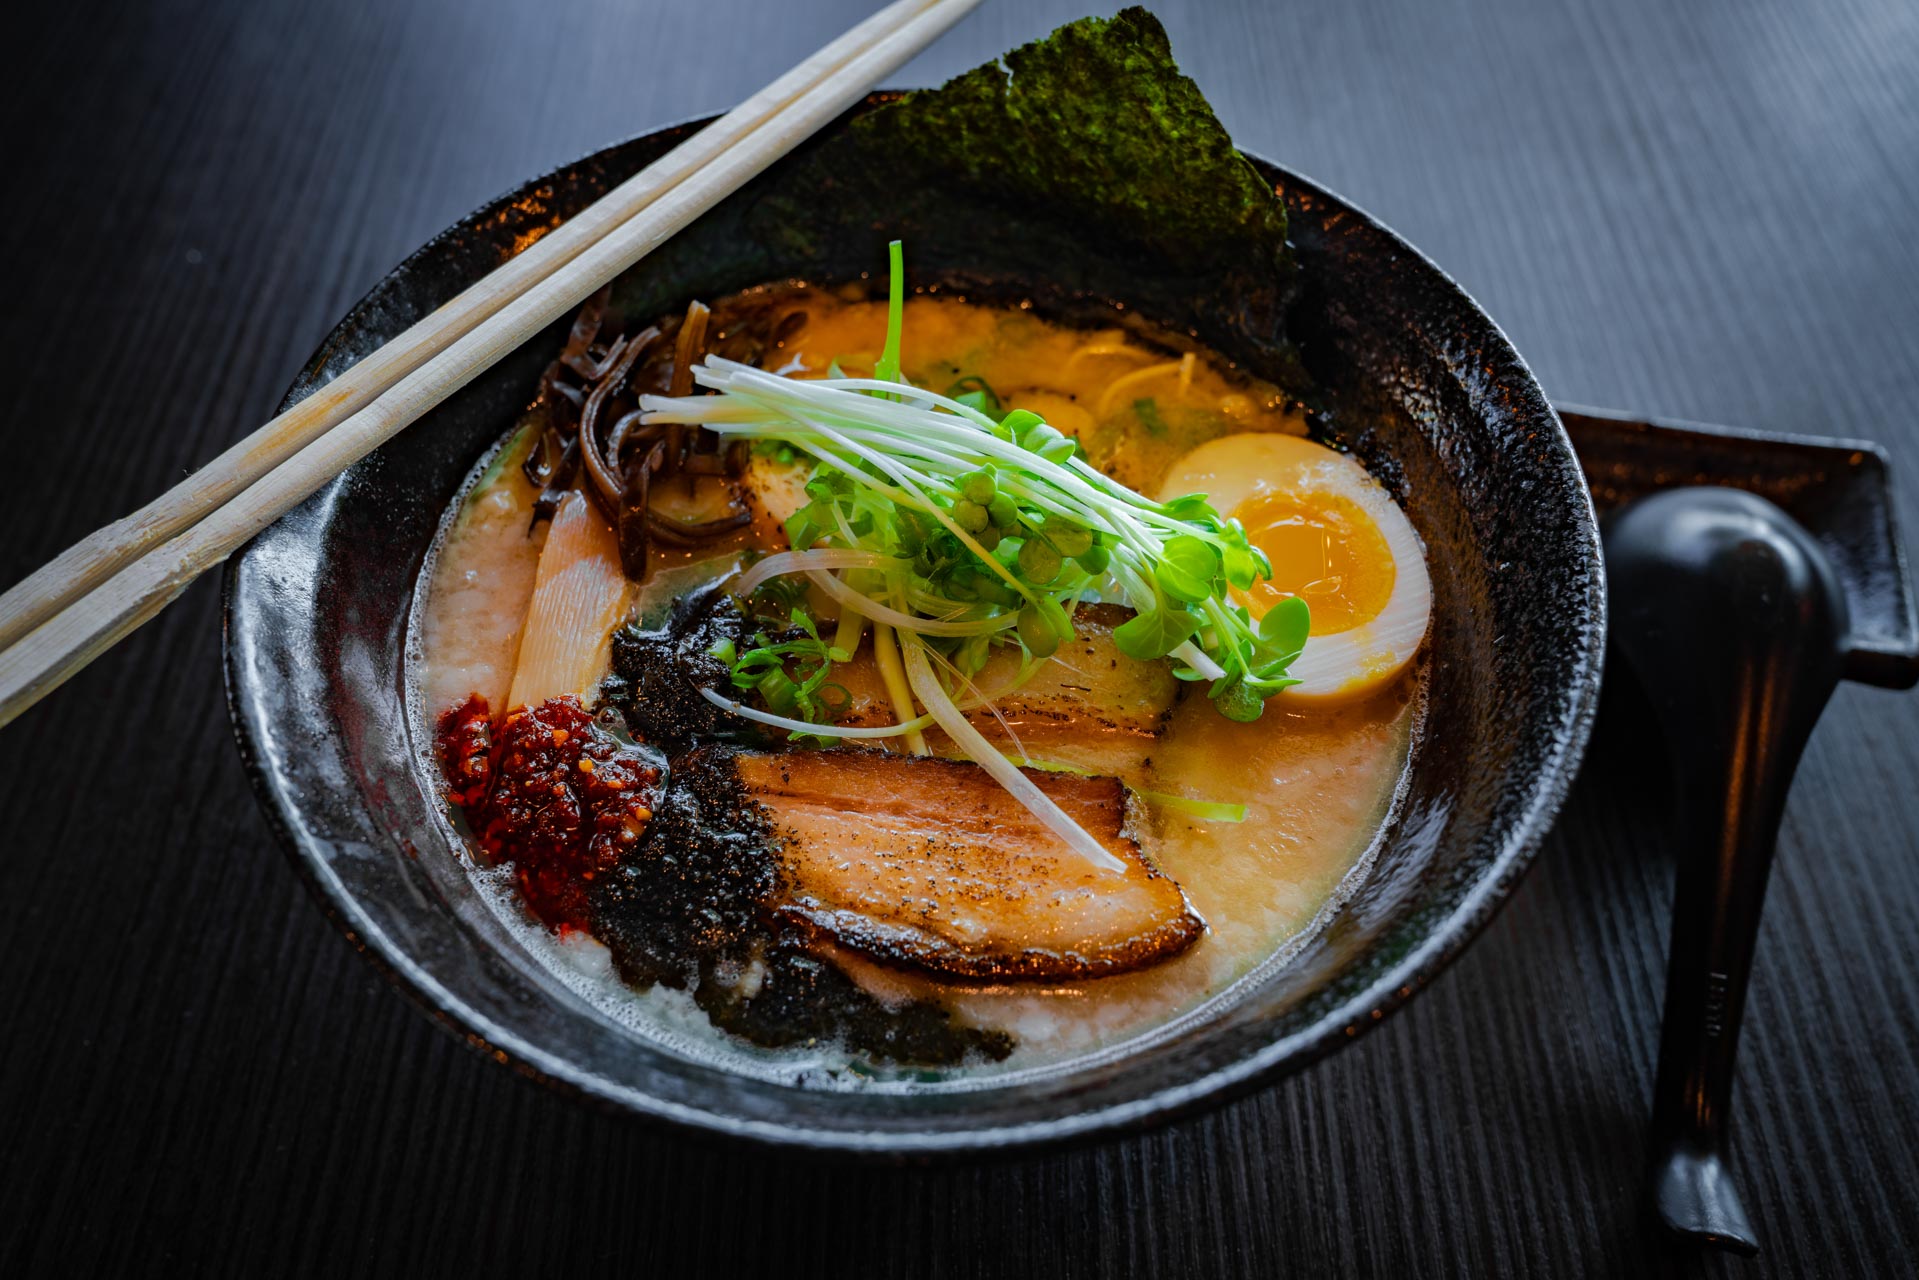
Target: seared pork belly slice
[929, 863]
[1089, 705]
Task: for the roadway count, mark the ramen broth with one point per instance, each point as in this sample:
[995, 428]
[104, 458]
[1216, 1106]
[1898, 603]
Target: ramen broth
[1317, 779]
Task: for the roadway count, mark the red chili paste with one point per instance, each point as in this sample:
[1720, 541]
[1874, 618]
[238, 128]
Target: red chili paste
[551, 792]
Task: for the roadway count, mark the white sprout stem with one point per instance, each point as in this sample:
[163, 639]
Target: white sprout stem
[745, 712]
[932, 696]
[935, 606]
[1199, 660]
[786, 562]
[899, 621]
[975, 697]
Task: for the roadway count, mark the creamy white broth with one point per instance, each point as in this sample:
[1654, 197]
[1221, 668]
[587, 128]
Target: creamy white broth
[1317, 782]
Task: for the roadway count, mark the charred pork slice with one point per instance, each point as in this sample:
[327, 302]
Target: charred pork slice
[930, 864]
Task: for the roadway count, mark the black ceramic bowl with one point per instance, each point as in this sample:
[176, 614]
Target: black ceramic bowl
[317, 622]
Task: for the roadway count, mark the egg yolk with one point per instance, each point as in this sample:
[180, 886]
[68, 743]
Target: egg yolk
[1324, 549]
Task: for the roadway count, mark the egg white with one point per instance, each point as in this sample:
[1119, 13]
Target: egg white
[1233, 469]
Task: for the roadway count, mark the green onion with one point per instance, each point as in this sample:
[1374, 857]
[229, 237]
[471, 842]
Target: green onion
[888, 368]
[812, 728]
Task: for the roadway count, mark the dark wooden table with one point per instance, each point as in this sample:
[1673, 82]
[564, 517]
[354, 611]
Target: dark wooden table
[1702, 209]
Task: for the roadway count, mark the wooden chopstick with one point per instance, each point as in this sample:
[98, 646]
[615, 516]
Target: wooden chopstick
[91, 561]
[131, 570]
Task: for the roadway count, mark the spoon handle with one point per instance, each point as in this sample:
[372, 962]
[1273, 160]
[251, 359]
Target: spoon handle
[1732, 618]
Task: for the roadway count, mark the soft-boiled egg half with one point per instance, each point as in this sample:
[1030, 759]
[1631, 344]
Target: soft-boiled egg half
[1335, 539]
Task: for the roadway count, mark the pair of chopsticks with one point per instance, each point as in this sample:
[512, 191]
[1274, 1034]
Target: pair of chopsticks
[84, 601]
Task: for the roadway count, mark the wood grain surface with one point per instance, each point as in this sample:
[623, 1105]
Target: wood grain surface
[1702, 210]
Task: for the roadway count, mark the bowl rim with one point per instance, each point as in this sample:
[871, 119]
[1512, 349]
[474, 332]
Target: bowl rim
[1417, 968]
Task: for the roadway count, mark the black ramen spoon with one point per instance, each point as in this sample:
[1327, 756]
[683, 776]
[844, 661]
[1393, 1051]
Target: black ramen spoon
[1733, 620]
